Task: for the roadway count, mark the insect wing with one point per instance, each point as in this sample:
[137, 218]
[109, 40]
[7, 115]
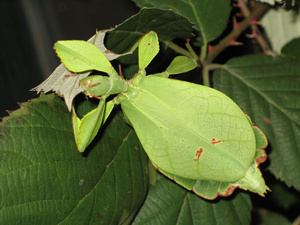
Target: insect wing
[190, 130]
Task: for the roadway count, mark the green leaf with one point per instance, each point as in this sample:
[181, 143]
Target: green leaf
[292, 49]
[169, 26]
[167, 203]
[44, 180]
[282, 196]
[267, 217]
[210, 16]
[268, 89]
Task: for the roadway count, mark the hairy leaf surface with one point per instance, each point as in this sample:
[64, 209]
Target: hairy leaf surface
[268, 88]
[168, 203]
[44, 180]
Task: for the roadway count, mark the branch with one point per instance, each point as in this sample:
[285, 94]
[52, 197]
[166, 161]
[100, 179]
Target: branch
[235, 33]
[256, 33]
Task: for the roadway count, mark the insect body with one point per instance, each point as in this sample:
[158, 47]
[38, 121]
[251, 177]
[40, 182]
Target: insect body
[193, 134]
[175, 119]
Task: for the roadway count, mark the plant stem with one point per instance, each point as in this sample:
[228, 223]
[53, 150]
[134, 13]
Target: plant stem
[203, 53]
[256, 33]
[235, 33]
[205, 75]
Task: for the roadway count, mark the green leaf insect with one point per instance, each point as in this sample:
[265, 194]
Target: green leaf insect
[193, 134]
[81, 56]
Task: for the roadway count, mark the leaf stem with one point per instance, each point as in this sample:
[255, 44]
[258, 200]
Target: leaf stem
[224, 43]
[214, 66]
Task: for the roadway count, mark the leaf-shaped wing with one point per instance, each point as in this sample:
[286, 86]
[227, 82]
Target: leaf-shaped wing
[190, 130]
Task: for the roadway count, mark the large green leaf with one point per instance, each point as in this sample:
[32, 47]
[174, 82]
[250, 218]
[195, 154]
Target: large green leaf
[268, 89]
[210, 16]
[44, 180]
[292, 49]
[167, 23]
[167, 203]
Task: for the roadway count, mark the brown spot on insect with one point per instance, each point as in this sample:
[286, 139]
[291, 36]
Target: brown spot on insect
[229, 190]
[267, 120]
[215, 141]
[108, 51]
[69, 75]
[87, 83]
[261, 159]
[93, 96]
[149, 43]
[198, 154]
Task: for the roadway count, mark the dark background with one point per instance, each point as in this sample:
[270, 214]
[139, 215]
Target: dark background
[28, 30]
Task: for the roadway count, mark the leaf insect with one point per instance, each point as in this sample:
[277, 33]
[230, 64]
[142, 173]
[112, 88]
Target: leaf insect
[193, 134]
